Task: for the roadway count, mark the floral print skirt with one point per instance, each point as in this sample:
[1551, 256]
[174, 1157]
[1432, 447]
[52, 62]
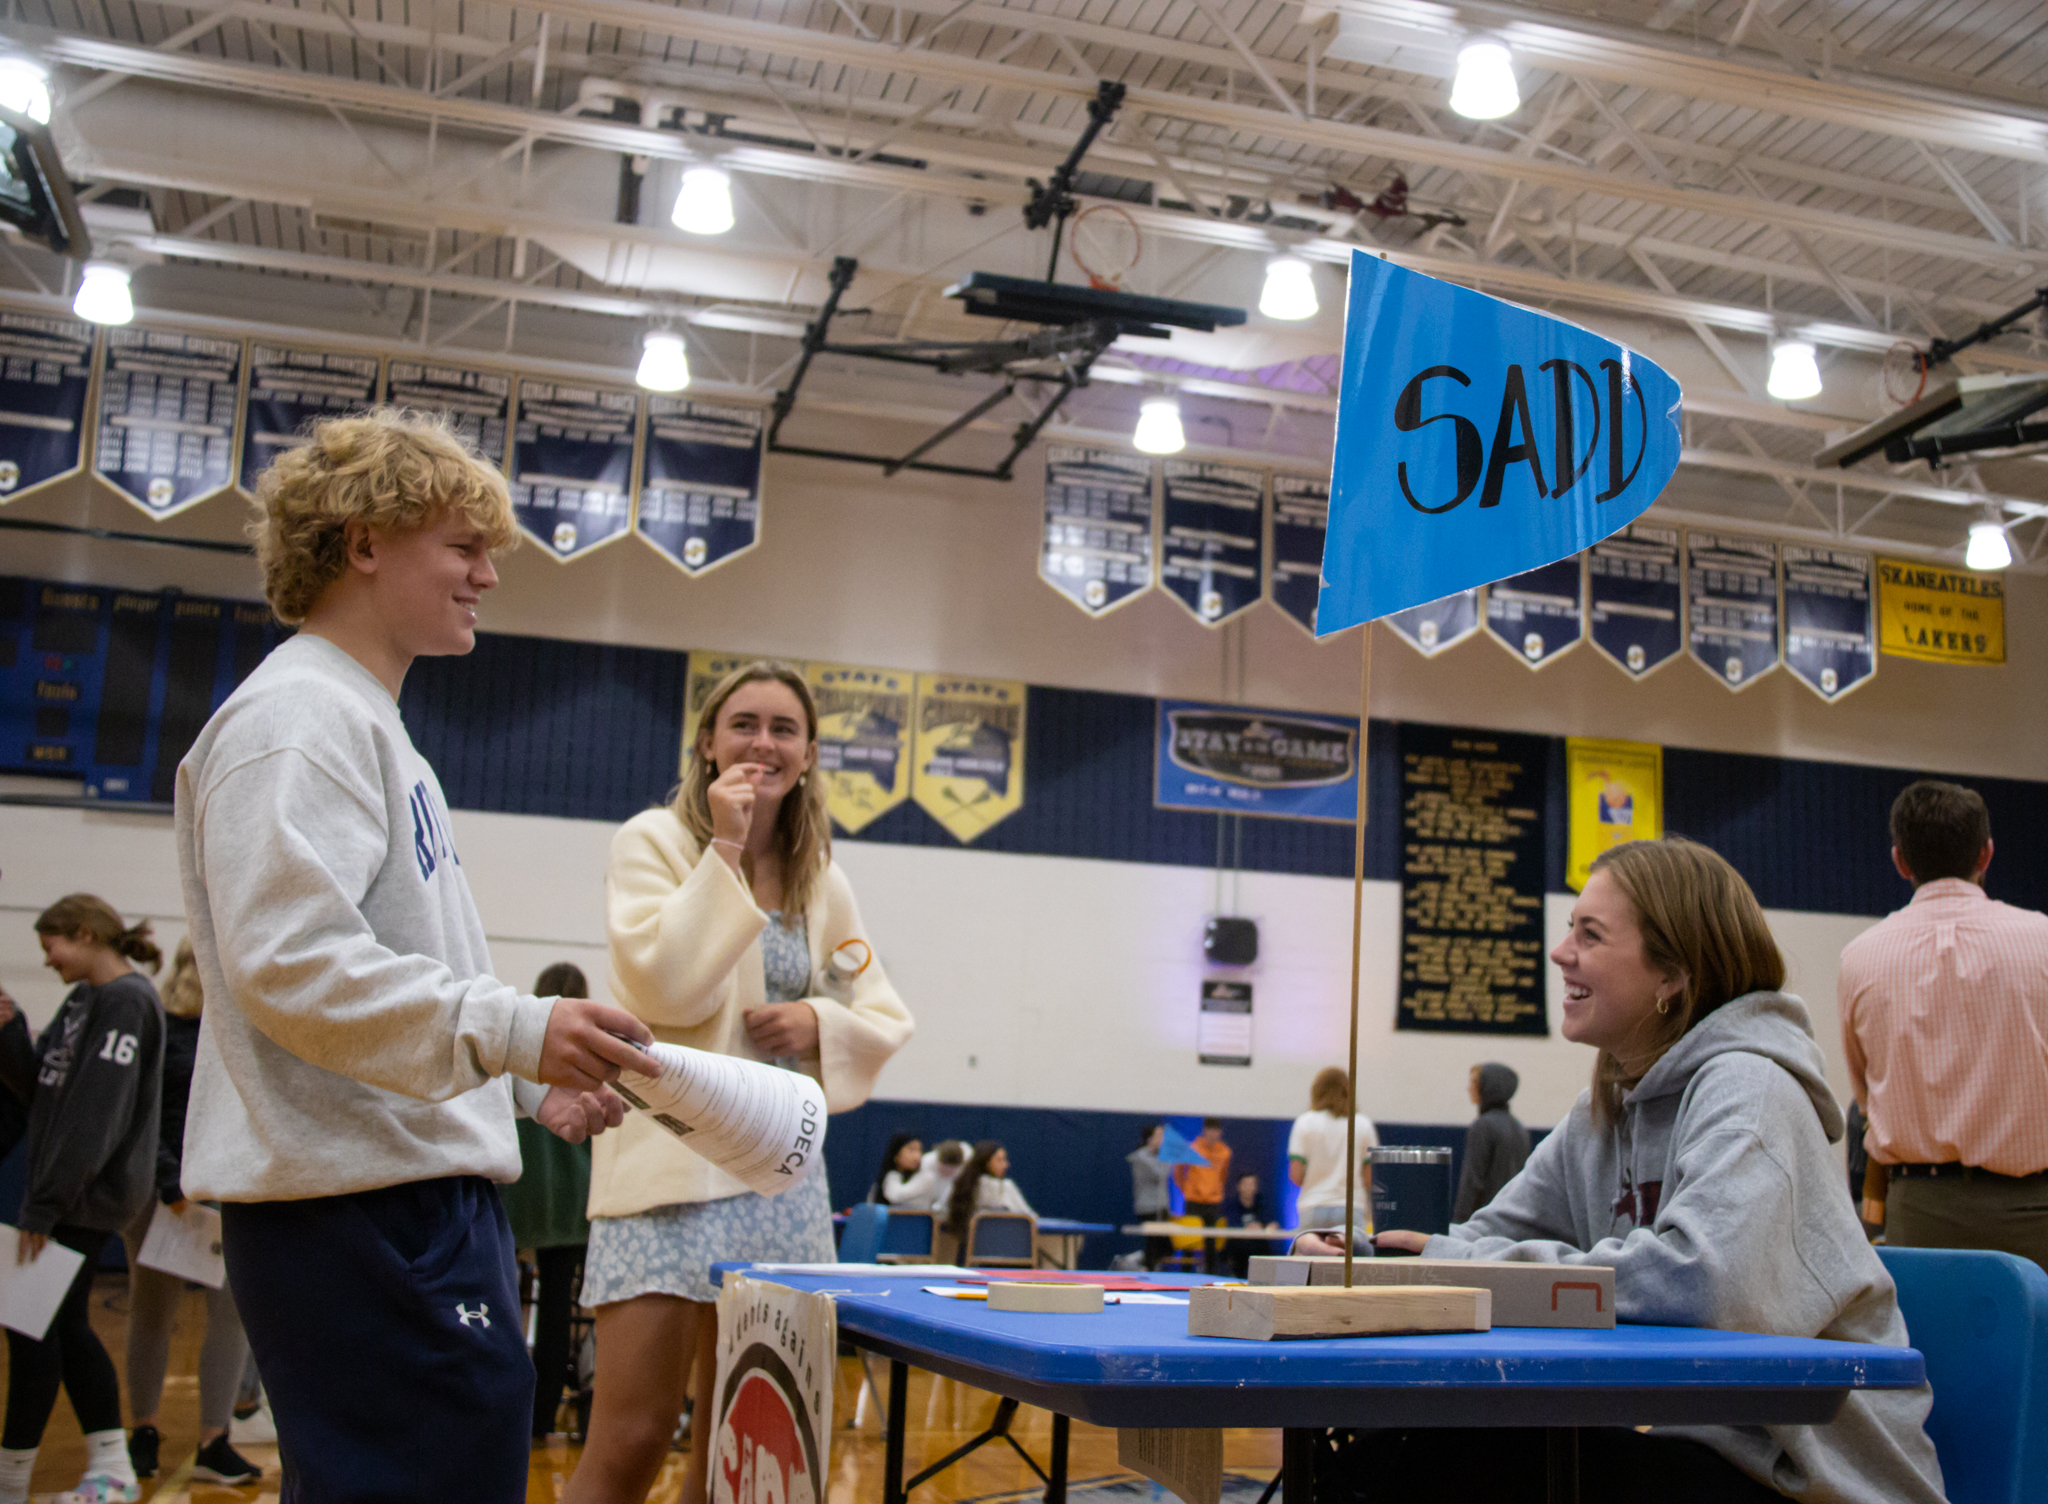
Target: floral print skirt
[669, 1250]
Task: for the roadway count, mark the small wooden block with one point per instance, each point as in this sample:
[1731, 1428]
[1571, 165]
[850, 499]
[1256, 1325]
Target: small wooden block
[1524, 1294]
[1082, 1300]
[1186, 1459]
[1265, 1312]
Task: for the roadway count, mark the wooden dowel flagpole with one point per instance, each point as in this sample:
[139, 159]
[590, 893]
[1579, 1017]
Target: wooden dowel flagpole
[1357, 938]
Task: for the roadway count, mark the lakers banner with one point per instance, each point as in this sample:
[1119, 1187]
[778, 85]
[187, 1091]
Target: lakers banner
[1228, 759]
[863, 739]
[771, 1426]
[967, 764]
[1940, 615]
[1615, 791]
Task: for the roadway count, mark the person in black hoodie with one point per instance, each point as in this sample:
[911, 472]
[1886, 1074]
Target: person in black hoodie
[1496, 1145]
[93, 1085]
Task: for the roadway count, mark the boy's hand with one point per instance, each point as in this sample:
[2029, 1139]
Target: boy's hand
[587, 1044]
[28, 1245]
[574, 1116]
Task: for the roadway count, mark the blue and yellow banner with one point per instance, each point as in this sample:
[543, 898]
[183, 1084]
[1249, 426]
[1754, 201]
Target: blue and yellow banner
[1232, 760]
[967, 762]
[1938, 614]
[1615, 794]
[863, 739]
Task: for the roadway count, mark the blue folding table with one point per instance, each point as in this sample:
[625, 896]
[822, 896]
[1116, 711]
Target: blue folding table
[1136, 1366]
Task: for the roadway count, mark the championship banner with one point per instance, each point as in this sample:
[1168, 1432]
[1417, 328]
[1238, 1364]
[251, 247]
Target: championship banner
[1536, 615]
[1212, 538]
[1615, 793]
[572, 465]
[1097, 550]
[1541, 440]
[478, 403]
[705, 671]
[1301, 515]
[967, 764]
[1229, 760]
[166, 428]
[1830, 619]
[289, 390]
[1940, 615]
[1731, 587]
[1635, 592]
[700, 481]
[1437, 625]
[771, 1422]
[44, 382]
[863, 739]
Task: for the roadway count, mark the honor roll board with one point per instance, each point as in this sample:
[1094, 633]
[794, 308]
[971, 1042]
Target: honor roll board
[572, 465]
[1731, 587]
[1830, 619]
[45, 377]
[1431, 628]
[166, 430]
[1301, 516]
[1097, 550]
[700, 481]
[1212, 538]
[478, 404]
[1536, 615]
[289, 391]
[1635, 597]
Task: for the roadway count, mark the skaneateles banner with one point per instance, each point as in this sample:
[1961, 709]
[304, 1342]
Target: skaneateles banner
[1229, 759]
[1478, 440]
[770, 1431]
[1940, 614]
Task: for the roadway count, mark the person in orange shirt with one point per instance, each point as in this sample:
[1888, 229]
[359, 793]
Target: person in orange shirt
[1201, 1186]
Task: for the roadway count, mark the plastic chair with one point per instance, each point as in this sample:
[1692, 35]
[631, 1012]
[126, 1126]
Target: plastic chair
[861, 1242]
[1007, 1240]
[1981, 1321]
[909, 1237]
[1187, 1252]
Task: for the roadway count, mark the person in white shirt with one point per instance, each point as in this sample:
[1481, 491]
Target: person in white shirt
[904, 1179]
[1315, 1154]
[984, 1186]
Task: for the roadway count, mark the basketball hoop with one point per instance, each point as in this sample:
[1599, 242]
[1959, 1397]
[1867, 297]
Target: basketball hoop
[1105, 243]
[1903, 377]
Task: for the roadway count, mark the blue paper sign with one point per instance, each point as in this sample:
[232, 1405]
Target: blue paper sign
[1212, 538]
[1634, 593]
[1536, 614]
[1477, 440]
[1436, 625]
[1731, 587]
[1830, 620]
[1301, 514]
[43, 385]
[572, 465]
[1232, 760]
[700, 481]
[289, 390]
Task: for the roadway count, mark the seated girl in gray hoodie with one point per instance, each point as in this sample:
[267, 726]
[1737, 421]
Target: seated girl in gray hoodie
[1698, 1168]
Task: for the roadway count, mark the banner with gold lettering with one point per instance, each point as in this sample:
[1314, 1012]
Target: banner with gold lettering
[1615, 793]
[863, 739]
[1938, 614]
[967, 768]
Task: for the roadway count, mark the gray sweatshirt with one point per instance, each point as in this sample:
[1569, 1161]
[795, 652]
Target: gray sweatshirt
[353, 1029]
[1149, 1180]
[1717, 1204]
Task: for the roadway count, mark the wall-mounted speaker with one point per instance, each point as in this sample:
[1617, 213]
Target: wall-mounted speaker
[1231, 942]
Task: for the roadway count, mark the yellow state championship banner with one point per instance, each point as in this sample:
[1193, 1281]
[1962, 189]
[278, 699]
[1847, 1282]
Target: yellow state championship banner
[1615, 792]
[968, 764]
[1939, 614]
[863, 739]
[707, 667]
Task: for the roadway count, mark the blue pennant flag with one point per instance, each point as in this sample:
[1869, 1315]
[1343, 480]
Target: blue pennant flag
[1476, 440]
[1174, 1149]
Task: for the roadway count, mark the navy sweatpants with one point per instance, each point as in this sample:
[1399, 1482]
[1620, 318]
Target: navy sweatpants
[386, 1326]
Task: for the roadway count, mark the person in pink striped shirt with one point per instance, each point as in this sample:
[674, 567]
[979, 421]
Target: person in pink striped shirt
[1944, 1010]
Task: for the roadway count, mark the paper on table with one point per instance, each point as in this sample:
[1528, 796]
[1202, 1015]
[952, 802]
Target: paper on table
[760, 1123]
[885, 1271]
[30, 1293]
[186, 1244]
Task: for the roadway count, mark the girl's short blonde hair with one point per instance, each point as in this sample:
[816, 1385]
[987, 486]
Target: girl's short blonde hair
[392, 467]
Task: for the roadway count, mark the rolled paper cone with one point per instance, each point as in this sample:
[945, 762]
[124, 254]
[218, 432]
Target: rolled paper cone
[759, 1123]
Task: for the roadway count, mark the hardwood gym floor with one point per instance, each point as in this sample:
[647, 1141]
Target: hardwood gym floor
[942, 1415]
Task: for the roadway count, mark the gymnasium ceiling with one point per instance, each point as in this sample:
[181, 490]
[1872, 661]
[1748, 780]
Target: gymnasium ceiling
[1690, 176]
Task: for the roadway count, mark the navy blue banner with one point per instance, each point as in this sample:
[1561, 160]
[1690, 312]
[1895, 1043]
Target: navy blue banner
[1256, 762]
[1431, 628]
[1540, 613]
[1635, 592]
[1731, 588]
[168, 405]
[1301, 516]
[44, 381]
[1212, 538]
[1830, 619]
[290, 390]
[1097, 550]
[478, 403]
[700, 481]
[572, 465]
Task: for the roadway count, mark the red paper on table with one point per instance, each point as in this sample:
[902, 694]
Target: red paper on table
[1068, 1277]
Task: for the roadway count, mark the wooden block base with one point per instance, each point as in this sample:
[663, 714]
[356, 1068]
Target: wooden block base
[1046, 1295]
[1262, 1313]
[1524, 1293]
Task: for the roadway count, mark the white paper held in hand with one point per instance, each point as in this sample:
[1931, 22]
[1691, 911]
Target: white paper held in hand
[30, 1293]
[759, 1123]
[185, 1243]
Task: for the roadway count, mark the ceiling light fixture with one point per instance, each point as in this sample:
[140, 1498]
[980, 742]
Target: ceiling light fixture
[25, 88]
[664, 363]
[1484, 88]
[1794, 375]
[1159, 430]
[1989, 547]
[103, 295]
[1290, 291]
[704, 205]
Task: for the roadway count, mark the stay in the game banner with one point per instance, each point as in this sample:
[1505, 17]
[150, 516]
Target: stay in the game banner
[1830, 619]
[1731, 588]
[1097, 549]
[1537, 615]
[968, 751]
[700, 481]
[45, 379]
[166, 425]
[572, 465]
[1615, 794]
[863, 739]
[1635, 594]
[1939, 614]
[478, 403]
[289, 390]
[1431, 628]
[1301, 517]
[1212, 538]
[1227, 759]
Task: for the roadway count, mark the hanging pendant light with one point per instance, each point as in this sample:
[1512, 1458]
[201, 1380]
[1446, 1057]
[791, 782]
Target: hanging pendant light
[664, 363]
[103, 295]
[1795, 375]
[704, 204]
[1290, 291]
[1485, 87]
[1159, 430]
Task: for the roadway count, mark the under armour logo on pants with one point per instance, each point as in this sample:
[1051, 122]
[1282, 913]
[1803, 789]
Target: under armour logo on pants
[480, 1314]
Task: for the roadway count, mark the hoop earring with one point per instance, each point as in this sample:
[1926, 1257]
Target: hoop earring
[1663, 1004]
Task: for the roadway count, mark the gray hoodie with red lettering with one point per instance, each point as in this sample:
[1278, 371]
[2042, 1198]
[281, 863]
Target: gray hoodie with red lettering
[1717, 1203]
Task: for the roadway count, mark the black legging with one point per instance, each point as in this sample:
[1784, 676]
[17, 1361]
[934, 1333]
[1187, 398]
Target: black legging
[70, 1353]
[552, 1306]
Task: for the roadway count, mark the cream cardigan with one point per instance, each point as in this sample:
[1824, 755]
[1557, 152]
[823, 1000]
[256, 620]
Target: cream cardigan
[685, 939]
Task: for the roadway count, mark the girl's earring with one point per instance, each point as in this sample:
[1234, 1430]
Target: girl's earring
[1663, 1003]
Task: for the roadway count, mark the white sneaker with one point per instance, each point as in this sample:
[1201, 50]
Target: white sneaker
[100, 1488]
